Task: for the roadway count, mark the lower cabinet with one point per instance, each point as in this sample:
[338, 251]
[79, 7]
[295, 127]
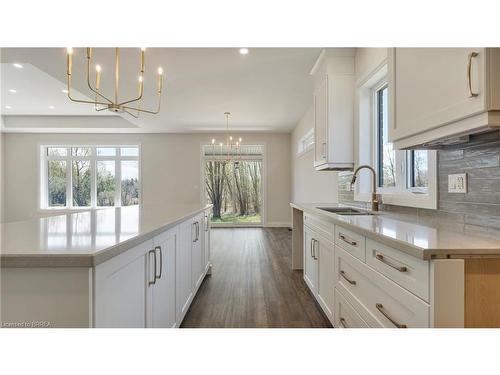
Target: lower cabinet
[319, 269]
[120, 289]
[154, 283]
[161, 289]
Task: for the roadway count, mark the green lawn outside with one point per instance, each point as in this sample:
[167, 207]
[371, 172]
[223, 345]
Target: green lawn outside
[236, 219]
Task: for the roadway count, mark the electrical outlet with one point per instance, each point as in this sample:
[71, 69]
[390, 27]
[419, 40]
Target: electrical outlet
[457, 183]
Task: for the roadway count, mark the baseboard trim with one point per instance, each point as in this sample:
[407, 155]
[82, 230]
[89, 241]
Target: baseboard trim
[278, 224]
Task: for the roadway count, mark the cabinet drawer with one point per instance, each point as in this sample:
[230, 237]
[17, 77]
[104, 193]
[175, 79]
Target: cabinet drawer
[350, 241]
[386, 303]
[322, 227]
[409, 272]
[345, 315]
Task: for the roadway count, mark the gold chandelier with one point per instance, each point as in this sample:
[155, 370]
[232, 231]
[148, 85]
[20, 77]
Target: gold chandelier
[233, 149]
[101, 102]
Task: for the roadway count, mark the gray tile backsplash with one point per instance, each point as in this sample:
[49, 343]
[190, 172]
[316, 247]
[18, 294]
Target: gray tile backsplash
[478, 209]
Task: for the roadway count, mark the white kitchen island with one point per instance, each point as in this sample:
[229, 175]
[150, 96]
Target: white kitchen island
[137, 266]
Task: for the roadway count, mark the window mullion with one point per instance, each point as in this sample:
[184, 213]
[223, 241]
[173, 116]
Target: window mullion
[69, 181]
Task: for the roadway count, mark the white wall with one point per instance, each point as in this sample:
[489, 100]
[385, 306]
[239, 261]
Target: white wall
[171, 169]
[309, 185]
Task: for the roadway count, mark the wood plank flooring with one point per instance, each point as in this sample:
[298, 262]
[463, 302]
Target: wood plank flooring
[252, 284]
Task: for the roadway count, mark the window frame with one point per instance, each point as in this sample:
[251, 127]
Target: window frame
[368, 135]
[93, 158]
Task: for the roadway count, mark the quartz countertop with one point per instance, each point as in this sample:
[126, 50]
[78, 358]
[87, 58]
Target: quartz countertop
[87, 238]
[412, 235]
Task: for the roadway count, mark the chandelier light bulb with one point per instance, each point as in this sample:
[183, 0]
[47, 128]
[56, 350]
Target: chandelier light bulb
[220, 144]
[69, 50]
[98, 68]
[213, 141]
[160, 71]
[240, 140]
[143, 49]
[141, 79]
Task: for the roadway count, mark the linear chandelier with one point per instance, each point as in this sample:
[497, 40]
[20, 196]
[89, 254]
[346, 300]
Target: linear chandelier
[102, 102]
[230, 155]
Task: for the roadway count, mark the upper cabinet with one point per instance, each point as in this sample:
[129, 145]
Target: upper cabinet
[440, 95]
[333, 109]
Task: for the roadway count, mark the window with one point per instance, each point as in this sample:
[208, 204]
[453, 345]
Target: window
[306, 143]
[89, 176]
[234, 187]
[403, 176]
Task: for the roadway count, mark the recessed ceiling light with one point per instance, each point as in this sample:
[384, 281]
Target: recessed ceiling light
[64, 91]
[13, 91]
[18, 66]
[8, 107]
[244, 51]
[51, 107]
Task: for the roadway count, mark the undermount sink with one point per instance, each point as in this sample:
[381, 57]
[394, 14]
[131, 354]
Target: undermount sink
[345, 211]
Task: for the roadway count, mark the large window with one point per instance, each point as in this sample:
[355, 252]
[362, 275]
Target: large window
[89, 176]
[234, 187]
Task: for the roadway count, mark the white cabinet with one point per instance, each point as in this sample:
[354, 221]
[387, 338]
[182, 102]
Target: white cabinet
[333, 111]
[197, 267]
[326, 278]
[310, 262]
[121, 284]
[319, 269]
[183, 285]
[441, 93]
[206, 242]
[161, 290]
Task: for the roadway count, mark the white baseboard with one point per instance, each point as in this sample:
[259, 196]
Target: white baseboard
[278, 224]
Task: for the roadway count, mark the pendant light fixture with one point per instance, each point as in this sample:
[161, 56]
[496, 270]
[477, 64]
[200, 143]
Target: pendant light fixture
[132, 106]
[232, 151]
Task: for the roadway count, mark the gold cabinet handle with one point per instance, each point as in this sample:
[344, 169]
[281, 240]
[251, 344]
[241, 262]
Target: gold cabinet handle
[343, 274]
[385, 261]
[343, 323]
[469, 78]
[380, 308]
[345, 239]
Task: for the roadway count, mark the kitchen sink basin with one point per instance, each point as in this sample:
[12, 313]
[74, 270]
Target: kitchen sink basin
[345, 211]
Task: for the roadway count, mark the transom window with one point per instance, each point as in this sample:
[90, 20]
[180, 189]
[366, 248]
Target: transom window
[84, 176]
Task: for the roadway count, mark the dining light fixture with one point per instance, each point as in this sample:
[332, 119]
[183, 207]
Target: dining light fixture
[102, 102]
[233, 148]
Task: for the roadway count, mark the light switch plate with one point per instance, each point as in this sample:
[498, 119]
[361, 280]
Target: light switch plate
[457, 183]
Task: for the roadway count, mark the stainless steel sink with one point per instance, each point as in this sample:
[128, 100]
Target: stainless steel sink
[345, 211]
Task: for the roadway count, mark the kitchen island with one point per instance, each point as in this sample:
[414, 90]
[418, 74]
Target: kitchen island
[137, 266]
[388, 270]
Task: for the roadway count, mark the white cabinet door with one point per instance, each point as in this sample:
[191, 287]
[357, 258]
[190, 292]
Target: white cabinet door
[183, 284]
[162, 292]
[120, 288]
[197, 252]
[320, 120]
[310, 262]
[206, 242]
[326, 275]
[429, 88]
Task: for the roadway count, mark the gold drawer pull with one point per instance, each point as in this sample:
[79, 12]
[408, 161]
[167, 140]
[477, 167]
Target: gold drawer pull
[383, 260]
[345, 239]
[343, 323]
[352, 282]
[380, 308]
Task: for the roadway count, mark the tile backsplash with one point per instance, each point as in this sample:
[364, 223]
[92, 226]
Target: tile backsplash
[478, 209]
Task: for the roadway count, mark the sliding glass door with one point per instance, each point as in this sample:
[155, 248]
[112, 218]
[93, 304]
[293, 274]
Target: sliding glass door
[234, 188]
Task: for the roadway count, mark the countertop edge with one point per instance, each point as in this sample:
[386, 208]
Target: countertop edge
[418, 252]
[88, 260]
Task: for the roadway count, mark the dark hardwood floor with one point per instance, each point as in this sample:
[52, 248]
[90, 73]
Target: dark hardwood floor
[252, 284]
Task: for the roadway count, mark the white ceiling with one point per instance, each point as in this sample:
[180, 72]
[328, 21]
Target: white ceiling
[267, 90]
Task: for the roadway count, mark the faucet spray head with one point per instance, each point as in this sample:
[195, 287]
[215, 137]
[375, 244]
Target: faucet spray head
[353, 179]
